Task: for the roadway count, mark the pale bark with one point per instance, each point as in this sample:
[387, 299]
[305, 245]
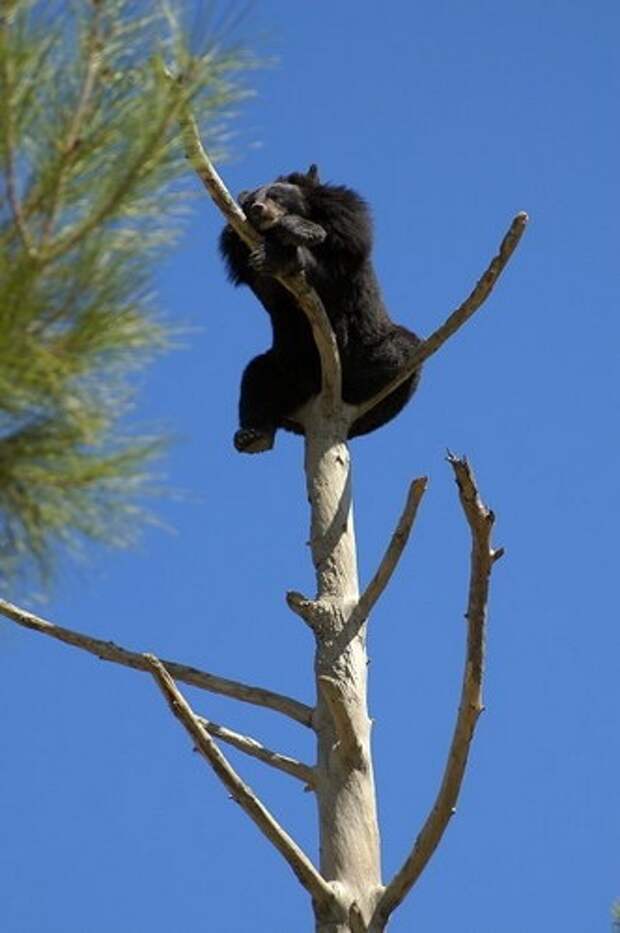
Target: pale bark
[344, 782]
[345, 789]
[249, 746]
[321, 892]
[392, 555]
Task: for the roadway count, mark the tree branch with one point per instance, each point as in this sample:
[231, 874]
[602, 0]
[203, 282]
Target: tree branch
[76, 232]
[480, 520]
[309, 877]
[108, 651]
[208, 174]
[297, 285]
[391, 557]
[255, 750]
[459, 317]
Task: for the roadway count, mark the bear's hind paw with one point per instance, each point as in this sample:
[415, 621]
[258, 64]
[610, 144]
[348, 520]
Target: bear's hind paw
[253, 441]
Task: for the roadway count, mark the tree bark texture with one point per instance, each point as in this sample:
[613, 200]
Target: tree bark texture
[345, 789]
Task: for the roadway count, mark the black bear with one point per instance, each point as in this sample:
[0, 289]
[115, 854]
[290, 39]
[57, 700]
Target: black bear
[326, 231]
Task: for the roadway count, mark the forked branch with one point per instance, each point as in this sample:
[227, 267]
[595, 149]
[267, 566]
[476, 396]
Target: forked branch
[108, 651]
[309, 877]
[480, 520]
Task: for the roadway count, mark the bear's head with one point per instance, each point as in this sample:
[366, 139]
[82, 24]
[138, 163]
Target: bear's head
[266, 206]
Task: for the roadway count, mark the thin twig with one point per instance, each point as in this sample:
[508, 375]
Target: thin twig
[480, 520]
[248, 745]
[459, 317]
[297, 285]
[108, 651]
[391, 557]
[309, 877]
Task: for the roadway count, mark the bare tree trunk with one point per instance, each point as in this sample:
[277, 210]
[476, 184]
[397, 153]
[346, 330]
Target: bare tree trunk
[348, 825]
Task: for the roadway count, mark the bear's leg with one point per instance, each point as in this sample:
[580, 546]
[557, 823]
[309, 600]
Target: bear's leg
[386, 360]
[259, 406]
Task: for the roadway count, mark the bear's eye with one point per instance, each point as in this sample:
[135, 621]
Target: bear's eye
[275, 195]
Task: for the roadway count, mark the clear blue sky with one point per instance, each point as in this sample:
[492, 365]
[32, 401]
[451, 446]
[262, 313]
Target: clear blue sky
[449, 117]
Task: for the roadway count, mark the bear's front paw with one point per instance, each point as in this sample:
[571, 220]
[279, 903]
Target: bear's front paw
[253, 441]
[258, 260]
[299, 232]
[273, 258]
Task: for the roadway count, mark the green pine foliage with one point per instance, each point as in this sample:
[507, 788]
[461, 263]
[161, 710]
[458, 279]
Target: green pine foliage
[91, 164]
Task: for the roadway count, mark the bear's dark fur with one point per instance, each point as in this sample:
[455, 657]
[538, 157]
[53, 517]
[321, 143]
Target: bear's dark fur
[326, 231]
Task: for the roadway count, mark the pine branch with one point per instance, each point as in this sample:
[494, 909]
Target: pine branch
[6, 88]
[66, 241]
[91, 168]
[72, 140]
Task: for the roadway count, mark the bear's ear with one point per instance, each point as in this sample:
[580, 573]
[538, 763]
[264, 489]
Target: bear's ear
[313, 174]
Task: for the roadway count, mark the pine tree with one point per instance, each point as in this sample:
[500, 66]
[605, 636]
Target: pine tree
[91, 164]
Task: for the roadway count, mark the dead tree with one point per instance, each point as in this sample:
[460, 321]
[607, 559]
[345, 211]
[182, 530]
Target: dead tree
[347, 889]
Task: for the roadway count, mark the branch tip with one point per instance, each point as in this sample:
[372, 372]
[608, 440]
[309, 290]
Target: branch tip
[390, 559]
[483, 288]
[479, 519]
[300, 605]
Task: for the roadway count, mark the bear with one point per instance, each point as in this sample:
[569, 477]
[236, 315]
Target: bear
[325, 231]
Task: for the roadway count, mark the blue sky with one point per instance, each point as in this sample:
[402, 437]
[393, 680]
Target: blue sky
[449, 117]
